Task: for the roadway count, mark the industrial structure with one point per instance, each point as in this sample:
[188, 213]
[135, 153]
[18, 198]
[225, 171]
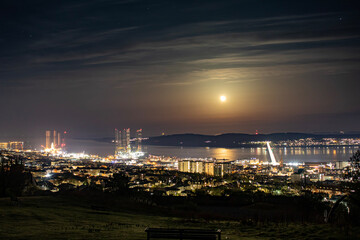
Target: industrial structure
[123, 148]
[122, 141]
[138, 139]
[48, 139]
[53, 140]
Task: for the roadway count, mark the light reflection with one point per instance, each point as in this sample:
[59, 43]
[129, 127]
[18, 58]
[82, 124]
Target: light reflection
[224, 153]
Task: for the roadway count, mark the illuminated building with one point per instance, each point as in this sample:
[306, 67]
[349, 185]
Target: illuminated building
[12, 145]
[341, 165]
[184, 166]
[199, 167]
[193, 166]
[48, 139]
[4, 145]
[16, 145]
[189, 166]
[210, 168]
[221, 169]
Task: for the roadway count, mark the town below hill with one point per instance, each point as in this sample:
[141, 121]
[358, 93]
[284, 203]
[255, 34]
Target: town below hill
[253, 140]
[236, 140]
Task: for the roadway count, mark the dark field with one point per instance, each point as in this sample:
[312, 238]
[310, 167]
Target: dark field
[75, 218]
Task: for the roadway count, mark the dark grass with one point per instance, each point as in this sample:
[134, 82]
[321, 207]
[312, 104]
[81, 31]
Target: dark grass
[65, 217]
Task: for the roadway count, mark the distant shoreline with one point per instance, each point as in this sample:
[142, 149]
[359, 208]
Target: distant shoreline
[259, 146]
[239, 140]
[220, 146]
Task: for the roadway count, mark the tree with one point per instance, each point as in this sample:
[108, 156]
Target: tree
[120, 182]
[354, 172]
[13, 178]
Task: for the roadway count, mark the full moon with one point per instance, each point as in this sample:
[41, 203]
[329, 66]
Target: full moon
[223, 98]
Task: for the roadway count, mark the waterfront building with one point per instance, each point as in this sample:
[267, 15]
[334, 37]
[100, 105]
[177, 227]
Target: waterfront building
[341, 165]
[211, 168]
[193, 166]
[12, 145]
[199, 167]
[184, 166]
[4, 145]
[222, 168]
[16, 145]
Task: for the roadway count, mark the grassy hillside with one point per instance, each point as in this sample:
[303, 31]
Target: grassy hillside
[69, 218]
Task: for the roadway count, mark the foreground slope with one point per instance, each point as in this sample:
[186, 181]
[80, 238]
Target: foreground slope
[72, 218]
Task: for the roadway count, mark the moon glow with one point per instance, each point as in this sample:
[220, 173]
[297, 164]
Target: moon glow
[222, 98]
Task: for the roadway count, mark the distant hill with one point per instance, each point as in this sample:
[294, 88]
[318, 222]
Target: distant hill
[233, 139]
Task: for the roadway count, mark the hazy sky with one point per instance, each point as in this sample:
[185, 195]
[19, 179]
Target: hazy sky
[94, 65]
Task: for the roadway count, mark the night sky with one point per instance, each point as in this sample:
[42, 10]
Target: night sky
[94, 65]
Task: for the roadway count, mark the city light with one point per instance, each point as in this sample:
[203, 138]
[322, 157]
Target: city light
[180, 119]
